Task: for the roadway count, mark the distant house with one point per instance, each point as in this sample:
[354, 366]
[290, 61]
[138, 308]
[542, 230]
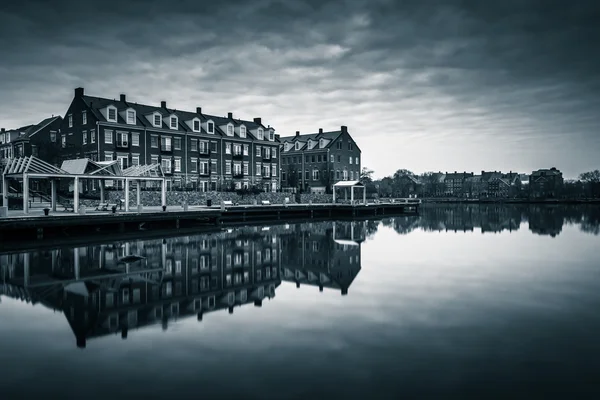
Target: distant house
[409, 186]
[37, 140]
[545, 183]
[503, 185]
[454, 183]
[472, 187]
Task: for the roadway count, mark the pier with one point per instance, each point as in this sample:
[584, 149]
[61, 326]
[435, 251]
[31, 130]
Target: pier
[17, 226]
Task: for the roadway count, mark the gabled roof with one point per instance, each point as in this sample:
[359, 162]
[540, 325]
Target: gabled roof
[30, 165]
[95, 104]
[348, 184]
[546, 172]
[33, 129]
[331, 136]
[86, 166]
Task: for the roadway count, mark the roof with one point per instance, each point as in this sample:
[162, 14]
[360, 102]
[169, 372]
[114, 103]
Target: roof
[329, 136]
[551, 171]
[83, 166]
[349, 183]
[95, 104]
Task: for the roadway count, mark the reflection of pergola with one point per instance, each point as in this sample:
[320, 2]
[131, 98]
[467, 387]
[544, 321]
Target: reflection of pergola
[27, 168]
[349, 186]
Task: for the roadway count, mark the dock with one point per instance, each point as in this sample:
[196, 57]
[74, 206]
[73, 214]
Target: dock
[37, 226]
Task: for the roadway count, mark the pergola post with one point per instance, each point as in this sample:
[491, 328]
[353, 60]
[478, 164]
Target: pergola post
[76, 264]
[4, 191]
[25, 193]
[53, 194]
[126, 194]
[76, 194]
[139, 192]
[333, 194]
[364, 195]
[102, 191]
[164, 192]
[352, 195]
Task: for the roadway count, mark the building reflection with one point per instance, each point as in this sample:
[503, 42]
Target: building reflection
[119, 287]
[493, 218]
[323, 254]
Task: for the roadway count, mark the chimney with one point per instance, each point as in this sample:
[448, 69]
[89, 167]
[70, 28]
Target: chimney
[297, 133]
[230, 115]
[2, 130]
[344, 129]
[258, 121]
[277, 137]
[198, 110]
[123, 98]
[163, 104]
[320, 130]
[78, 92]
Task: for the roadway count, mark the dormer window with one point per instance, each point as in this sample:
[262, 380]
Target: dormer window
[242, 131]
[157, 120]
[229, 130]
[131, 117]
[272, 136]
[211, 127]
[261, 135]
[322, 143]
[173, 122]
[297, 145]
[196, 126]
[112, 114]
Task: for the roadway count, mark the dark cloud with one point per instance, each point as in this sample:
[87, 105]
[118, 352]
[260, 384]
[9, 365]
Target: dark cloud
[446, 84]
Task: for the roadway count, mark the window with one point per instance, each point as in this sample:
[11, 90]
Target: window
[349, 145]
[135, 159]
[242, 131]
[154, 141]
[266, 171]
[258, 151]
[213, 167]
[213, 147]
[228, 168]
[297, 145]
[227, 148]
[258, 169]
[173, 122]
[332, 158]
[315, 174]
[166, 165]
[123, 161]
[108, 137]
[135, 139]
[130, 117]
[194, 145]
[339, 158]
[84, 118]
[112, 114]
[237, 149]
[339, 145]
[211, 127]
[108, 156]
[53, 137]
[271, 136]
[229, 130]
[196, 127]
[267, 152]
[204, 167]
[237, 169]
[194, 165]
[84, 137]
[356, 161]
[165, 143]
[350, 160]
[204, 147]
[70, 121]
[154, 159]
[63, 140]
[122, 139]
[177, 164]
[246, 169]
[261, 135]
[157, 120]
[274, 152]
[245, 149]
[273, 170]
[307, 175]
[177, 143]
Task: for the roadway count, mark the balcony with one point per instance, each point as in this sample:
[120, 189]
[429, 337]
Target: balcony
[237, 155]
[122, 144]
[238, 174]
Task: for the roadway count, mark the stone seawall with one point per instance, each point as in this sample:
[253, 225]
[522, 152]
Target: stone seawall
[152, 198]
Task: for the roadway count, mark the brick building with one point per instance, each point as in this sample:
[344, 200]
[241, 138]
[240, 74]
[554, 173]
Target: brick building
[315, 161]
[545, 183]
[196, 150]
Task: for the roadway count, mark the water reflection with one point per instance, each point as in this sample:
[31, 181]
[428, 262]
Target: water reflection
[115, 288]
[493, 218]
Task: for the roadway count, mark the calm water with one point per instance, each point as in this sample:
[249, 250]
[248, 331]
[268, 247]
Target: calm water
[485, 301]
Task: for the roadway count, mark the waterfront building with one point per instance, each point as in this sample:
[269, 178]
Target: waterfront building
[196, 150]
[313, 162]
[545, 183]
[38, 140]
[454, 183]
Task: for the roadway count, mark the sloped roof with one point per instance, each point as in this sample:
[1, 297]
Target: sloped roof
[331, 136]
[82, 166]
[349, 184]
[95, 104]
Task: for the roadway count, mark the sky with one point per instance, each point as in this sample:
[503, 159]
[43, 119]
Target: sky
[424, 85]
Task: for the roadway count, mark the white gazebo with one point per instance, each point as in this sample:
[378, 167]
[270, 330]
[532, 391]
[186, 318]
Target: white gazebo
[349, 186]
[27, 168]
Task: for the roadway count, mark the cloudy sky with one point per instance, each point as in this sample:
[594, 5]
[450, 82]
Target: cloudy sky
[421, 84]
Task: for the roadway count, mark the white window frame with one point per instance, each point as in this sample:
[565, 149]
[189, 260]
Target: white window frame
[165, 163]
[272, 136]
[297, 145]
[194, 163]
[108, 137]
[350, 160]
[258, 151]
[135, 159]
[356, 160]
[246, 168]
[130, 114]
[209, 124]
[230, 129]
[274, 152]
[194, 122]
[258, 169]
[135, 139]
[154, 120]
[84, 136]
[242, 131]
[70, 121]
[177, 166]
[227, 168]
[245, 149]
[261, 134]
[84, 117]
[173, 118]
[227, 148]
[108, 118]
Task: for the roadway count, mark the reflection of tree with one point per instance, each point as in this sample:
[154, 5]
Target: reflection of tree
[371, 228]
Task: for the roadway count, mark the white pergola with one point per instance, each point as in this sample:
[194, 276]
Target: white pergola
[349, 186]
[27, 168]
